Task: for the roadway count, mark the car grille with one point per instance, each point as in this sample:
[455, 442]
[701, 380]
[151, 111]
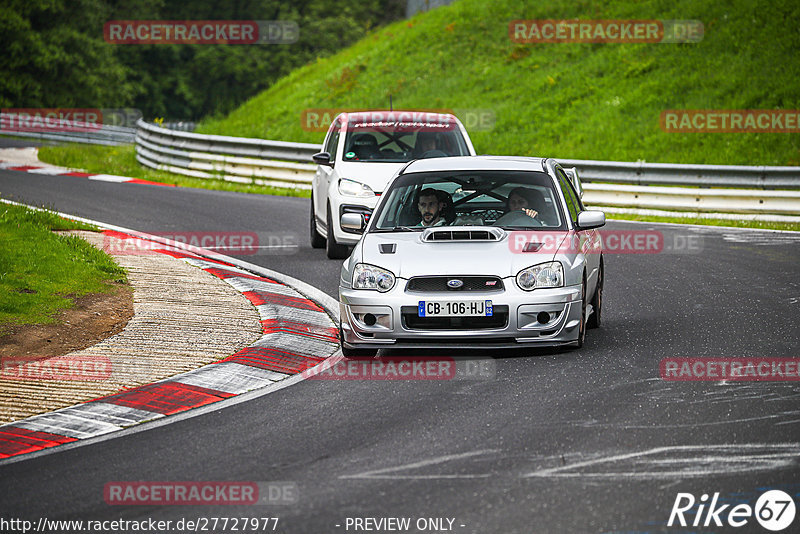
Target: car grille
[471, 283]
[413, 321]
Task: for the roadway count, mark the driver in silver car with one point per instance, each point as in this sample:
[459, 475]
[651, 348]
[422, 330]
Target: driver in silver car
[430, 208]
[522, 198]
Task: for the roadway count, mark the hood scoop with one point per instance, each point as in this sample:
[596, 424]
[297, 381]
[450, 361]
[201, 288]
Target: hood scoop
[463, 233]
[387, 248]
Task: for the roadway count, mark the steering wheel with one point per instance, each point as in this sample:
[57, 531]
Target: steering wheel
[517, 218]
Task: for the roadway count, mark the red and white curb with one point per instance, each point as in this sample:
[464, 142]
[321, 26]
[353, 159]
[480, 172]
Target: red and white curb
[298, 335]
[59, 171]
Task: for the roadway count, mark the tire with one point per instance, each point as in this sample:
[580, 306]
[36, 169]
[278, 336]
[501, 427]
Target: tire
[354, 353]
[317, 239]
[597, 301]
[334, 250]
[582, 327]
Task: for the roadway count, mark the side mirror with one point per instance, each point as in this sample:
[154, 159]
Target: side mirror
[353, 222]
[591, 219]
[322, 158]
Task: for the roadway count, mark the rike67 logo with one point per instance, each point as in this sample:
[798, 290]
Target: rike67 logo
[774, 510]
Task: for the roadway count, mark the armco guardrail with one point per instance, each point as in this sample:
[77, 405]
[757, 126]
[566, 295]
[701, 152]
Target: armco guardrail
[693, 199]
[643, 173]
[238, 159]
[281, 163]
[104, 135]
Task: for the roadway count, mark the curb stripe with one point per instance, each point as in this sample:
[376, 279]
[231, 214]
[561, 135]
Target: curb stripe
[326, 333]
[259, 298]
[166, 397]
[297, 335]
[273, 359]
[55, 171]
[227, 273]
[15, 441]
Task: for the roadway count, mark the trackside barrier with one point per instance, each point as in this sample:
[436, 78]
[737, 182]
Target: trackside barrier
[105, 134]
[639, 184]
[236, 159]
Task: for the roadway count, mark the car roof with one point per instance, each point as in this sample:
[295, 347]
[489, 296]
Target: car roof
[476, 163]
[350, 116]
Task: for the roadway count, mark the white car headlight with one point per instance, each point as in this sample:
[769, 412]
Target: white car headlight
[366, 276]
[550, 274]
[354, 189]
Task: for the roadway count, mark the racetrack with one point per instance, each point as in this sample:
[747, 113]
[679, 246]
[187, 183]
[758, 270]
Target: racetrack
[557, 441]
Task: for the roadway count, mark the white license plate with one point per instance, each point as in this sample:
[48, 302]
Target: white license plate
[445, 308]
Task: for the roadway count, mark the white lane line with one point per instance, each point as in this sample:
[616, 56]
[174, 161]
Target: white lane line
[382, 473]
[700, 466]
[48, 170]
[109, 178]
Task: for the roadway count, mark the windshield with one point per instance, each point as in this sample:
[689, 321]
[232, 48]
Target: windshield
[513, 200]
[398, 141]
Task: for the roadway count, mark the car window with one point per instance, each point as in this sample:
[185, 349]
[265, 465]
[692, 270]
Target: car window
[569, 195]
[571, 187]
[333, 139]
[401, 142]
[478, 198]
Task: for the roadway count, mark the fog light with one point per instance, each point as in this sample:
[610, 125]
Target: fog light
[370, 319]
[543, 317]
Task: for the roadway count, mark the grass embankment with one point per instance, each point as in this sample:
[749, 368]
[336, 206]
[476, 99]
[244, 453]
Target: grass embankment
[764, 225]
[564, 100]
[121, 161]
[42, 272]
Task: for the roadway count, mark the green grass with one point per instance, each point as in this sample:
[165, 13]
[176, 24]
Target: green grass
[121, 161]
[564, 100]
[766, 225]
[42, 272]
[570, 100]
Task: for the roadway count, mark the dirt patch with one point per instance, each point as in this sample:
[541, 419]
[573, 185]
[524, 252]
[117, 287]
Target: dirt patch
[93, 318]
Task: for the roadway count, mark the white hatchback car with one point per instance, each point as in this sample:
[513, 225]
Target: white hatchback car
[361, 153]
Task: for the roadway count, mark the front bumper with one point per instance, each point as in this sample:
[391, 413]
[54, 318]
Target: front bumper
[392, 323]
[341, 204]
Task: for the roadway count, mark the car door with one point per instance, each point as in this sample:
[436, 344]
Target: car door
[588, 239]
[324, 173]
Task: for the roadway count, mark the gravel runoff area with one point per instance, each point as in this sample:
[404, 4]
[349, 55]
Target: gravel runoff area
[184, 318]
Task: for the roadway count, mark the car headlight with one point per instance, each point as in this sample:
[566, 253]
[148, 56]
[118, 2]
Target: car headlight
[550, 274]
[366, 276]
[354, 189]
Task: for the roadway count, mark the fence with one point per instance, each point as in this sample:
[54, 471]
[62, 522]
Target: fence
[642, 185]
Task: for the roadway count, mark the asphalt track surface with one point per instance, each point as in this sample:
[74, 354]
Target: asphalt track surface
[557, 441]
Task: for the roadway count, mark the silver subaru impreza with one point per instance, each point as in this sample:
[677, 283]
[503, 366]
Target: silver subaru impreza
[479, 251]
